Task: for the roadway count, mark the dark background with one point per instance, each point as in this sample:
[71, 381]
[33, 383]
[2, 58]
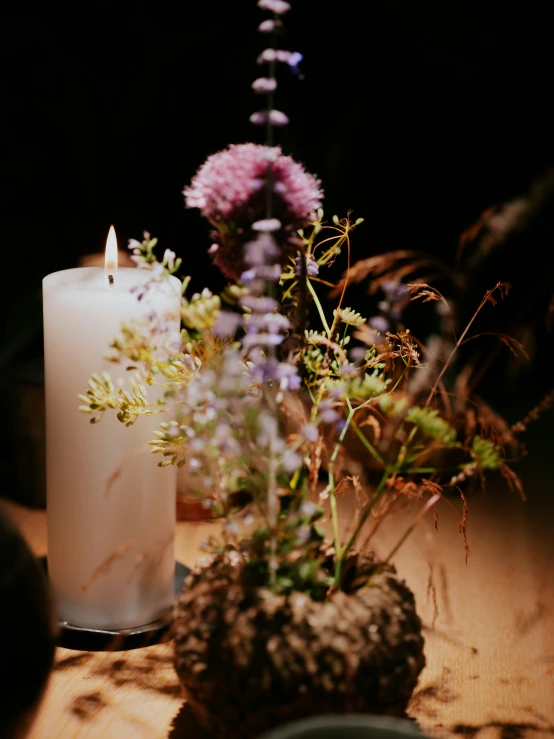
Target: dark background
[416, 117]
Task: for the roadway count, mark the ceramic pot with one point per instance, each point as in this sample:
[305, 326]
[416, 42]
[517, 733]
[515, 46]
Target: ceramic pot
[364, 726]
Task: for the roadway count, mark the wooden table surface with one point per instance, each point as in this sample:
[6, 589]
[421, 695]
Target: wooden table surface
[489, 631]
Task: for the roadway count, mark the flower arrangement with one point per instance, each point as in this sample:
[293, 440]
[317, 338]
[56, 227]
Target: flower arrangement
[270, 394]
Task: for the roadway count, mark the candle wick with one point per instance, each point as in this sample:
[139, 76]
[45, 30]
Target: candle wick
[110, 279]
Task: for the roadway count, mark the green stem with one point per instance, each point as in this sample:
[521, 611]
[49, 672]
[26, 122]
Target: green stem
[319, 308]
[368, 445]
[331, 475]
[343, 432]
[404, 450]
[334, 511]
[361, 522]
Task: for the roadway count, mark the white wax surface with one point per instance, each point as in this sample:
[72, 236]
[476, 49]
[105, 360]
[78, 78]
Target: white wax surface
[110, 508]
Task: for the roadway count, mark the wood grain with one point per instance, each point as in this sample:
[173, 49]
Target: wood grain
[489, 631]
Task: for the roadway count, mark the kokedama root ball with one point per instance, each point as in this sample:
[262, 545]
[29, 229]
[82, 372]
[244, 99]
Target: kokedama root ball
[249, 659]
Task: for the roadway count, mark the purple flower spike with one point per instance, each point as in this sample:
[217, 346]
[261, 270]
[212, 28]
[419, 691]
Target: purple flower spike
[264, 84]
[275, 6]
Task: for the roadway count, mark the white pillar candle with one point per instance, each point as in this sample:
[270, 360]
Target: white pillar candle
[110, 508]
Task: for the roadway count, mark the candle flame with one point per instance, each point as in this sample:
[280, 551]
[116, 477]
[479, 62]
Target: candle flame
[110, 262]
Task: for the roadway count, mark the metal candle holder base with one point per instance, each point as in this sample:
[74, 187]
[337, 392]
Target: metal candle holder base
[103, 640]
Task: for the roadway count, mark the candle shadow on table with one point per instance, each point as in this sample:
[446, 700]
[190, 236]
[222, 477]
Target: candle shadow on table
[185, 726]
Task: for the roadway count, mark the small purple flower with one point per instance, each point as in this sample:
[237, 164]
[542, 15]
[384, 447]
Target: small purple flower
[248, 276]
[272, 322]
[303, 535]
[347, 369]
[308, 509]
[261, 250]
[275, 6]
[267, 56]
[267, 224]
[394, 290]
[264, 84]
[310, 432]
[262, 339]
[326, 414]
[291, 461]
[227, 323]
[379, 323]
[269, 26]
[312, 267]
[292, 58]
[287, 376]
[357, 353]
[259, 118]
[262, 272]
[278, 118]
[275, 117]
[259, 305]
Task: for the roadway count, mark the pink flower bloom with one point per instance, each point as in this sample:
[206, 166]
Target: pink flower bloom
[229, 190]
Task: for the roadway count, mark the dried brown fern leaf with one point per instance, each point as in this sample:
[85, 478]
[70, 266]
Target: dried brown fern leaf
[491, 229]
[492, 425]
[400, 491]
[502, 288]
[426, 293]
[547, 403]
[393, 265]
[462, 526]
[515, 346]
[433, 500]
[514, 481]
